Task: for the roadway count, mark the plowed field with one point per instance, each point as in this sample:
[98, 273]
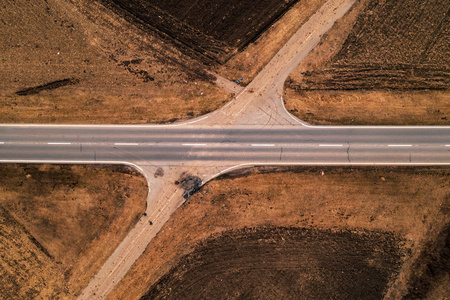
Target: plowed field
[286, 263]
[395, 45]
[208, 30]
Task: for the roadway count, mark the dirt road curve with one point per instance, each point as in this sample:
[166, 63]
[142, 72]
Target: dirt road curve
[250, 106]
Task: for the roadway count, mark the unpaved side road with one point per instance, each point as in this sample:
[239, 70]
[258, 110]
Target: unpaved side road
[264, 93]
[260, 103]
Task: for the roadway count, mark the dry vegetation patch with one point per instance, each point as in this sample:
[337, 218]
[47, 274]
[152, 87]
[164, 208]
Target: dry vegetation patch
[410, 204]
[59, 224]
[370, 107]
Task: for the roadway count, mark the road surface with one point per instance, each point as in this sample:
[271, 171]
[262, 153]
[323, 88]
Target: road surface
[225, 145]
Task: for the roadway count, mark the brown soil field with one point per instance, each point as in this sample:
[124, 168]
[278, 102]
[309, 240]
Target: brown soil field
[365, 70]
[251, 263]
[74, 61]
[211, 31]
[396, 45]
[59, 224]
[244, 235]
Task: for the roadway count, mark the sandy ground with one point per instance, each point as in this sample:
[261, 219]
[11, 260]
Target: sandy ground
[60, 223]
[412, 203]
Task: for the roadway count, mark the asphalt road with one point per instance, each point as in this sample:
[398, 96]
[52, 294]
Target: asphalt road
[170, 145]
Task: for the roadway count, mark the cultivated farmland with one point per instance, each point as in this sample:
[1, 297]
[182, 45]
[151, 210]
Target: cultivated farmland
[394, 44]
[209, 30]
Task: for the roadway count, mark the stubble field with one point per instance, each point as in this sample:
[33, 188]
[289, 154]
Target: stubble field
[78, 62]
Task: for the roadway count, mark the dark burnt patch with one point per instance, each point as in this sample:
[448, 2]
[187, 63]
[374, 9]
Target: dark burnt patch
[130, 62]
[159, 172]
[189, 183]
[132, 67]
[48, 86]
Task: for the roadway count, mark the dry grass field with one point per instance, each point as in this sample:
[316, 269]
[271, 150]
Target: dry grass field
[77, 62]
[59, 224]
[370, 107]
[244, 236]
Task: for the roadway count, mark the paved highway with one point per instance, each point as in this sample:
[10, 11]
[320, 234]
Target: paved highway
[172, 145]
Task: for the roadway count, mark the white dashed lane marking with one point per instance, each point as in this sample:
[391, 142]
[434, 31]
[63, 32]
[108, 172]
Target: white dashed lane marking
[331, 145]
[59, 143]
[263, 145]
[194, 144]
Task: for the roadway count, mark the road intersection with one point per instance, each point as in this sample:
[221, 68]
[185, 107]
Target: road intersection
[254, 129]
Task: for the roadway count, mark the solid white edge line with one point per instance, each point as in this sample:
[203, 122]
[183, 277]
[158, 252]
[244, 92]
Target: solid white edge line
[195, 121]
[188, 144]
[447, 145]
[263, 145]
[331, 145]
[305, 124]
[72, 162]
[399, 145]
[1, 143]
[59, 143]
[323, 164]
[181, 124]
[126, 144]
